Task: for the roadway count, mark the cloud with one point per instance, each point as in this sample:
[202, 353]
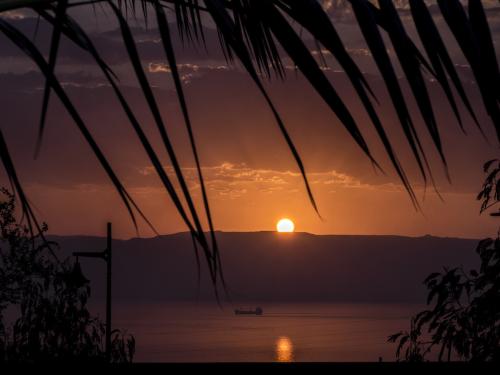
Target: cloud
[187, 71]
[13, 15]
[33, 81]
[233, 125]
[109, 44]
[190, 55]
[232, 180]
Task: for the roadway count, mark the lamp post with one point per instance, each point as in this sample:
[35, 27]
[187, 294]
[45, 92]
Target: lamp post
[106, 256]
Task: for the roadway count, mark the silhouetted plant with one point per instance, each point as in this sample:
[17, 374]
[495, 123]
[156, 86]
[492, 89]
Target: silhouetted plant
[464, 319]
[490, 194]
[43, 301]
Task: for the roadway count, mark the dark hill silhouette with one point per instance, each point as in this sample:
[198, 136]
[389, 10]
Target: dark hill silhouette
[263, 266]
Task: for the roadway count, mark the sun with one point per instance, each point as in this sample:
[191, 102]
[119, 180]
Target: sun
[285, 226]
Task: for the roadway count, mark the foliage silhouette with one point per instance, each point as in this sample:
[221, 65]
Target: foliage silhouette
[259, 34]
[463, 321]
[43, 302]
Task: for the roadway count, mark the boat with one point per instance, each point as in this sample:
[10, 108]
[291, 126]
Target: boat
[257, 311]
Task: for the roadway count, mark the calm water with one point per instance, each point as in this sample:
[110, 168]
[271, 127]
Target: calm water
[286, 332]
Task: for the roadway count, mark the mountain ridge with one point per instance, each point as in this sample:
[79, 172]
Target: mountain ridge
[261, 231]
[270, 266]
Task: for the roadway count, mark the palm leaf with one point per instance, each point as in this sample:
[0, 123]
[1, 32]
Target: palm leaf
[16, 187]
[234, 40]
[311, 16]
[488, 58]
[169, 51]
[32, 52]
[435, 48]
[54, 46]
[72, 30]
[411, 66]
[376, 45]
[472, 36]
[251, 30]
[300, 55]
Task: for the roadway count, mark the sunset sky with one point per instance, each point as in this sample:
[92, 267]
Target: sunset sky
[251, 177]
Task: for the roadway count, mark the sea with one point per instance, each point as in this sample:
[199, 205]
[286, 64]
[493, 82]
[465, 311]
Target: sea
[285, 332]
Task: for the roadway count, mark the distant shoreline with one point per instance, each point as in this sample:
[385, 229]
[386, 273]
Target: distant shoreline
[270, 232]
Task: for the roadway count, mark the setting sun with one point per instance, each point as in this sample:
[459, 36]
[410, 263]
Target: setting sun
[285, 226]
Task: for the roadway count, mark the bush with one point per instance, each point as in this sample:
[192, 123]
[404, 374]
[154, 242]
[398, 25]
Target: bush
[464, 319]
[43, 301]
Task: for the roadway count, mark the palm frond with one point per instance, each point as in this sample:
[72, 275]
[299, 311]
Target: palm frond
[411, 65]
[473, 36]
[169, 51]
[16, 187]
[54, 46]
[260, 34]
[439, 57]
[72, 30]
[235, 41]
[314, 19]
[32, 52]
[376, 45]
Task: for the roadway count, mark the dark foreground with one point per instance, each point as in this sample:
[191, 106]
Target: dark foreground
[256, 368]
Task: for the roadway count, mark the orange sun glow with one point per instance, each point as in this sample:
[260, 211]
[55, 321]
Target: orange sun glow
[285, 226]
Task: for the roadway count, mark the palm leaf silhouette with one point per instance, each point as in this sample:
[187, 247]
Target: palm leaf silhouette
[259, 34]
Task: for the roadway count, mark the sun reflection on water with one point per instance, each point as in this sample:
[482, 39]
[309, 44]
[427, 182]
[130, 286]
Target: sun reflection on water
[284, 349]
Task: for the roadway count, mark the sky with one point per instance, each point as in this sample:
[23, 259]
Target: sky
[251, 177]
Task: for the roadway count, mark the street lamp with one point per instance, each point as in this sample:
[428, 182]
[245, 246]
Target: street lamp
[106, 256]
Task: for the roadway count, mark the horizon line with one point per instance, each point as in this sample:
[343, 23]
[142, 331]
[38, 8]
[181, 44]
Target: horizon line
[269, 231]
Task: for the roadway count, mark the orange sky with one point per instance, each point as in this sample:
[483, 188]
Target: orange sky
[251, 177]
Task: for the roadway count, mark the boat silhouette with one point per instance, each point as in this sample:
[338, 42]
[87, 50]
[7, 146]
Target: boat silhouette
[257, 311]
